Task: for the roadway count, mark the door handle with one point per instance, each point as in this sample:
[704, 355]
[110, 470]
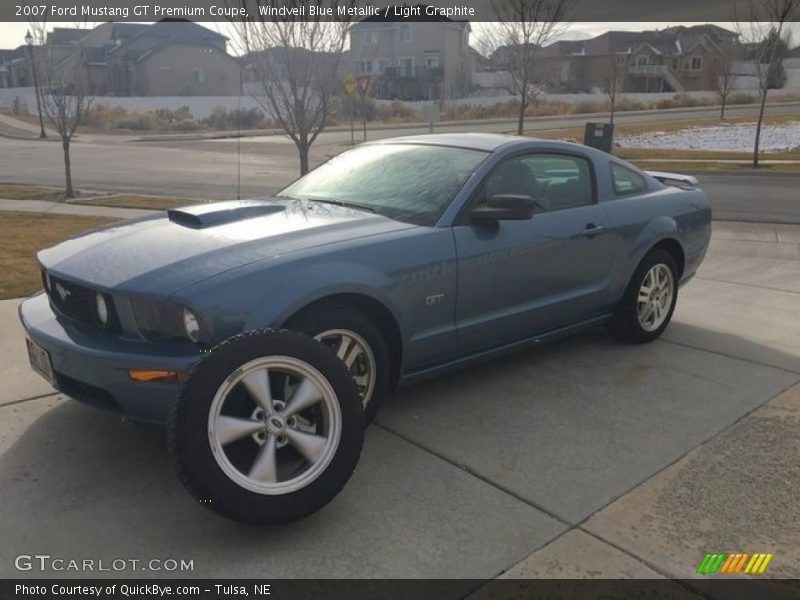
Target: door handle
[592, 230]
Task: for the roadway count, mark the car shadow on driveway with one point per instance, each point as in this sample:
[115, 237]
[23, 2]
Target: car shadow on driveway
[570, 426]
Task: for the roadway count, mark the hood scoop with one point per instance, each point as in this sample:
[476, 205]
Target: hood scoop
[220, 213]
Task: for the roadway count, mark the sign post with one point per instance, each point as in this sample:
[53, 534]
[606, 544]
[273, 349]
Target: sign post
[363, 80]
[431, 113]
[350, 86]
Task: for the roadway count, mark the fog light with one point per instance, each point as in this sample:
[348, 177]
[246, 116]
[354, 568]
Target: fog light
[102, 308]
[190, 325]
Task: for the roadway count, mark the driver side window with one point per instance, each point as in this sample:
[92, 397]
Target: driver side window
[555, 181]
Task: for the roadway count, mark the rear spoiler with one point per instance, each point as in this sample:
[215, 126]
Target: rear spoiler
[675, 179]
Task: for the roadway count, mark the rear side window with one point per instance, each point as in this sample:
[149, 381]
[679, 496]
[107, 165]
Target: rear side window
[627, 181]
[556, 181]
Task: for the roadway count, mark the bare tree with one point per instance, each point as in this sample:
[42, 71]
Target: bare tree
[524, 27]
[296, 65]
[724, 80]
[615, 81]
[762, 32]
[64, 93]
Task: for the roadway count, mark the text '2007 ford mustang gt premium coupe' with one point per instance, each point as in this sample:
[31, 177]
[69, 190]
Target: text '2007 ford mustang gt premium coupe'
[265, 333]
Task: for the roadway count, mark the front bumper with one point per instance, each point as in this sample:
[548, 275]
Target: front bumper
[92, 367]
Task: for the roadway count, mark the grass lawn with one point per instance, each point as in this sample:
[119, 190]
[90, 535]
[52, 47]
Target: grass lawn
[13, 191]
[23, 235]
[135, 201]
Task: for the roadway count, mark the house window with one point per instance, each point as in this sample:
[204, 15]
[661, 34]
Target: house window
[674, 64]
[697, 63]
[620, 60]
[385, 63]
[364, 66]
[198, 75]
[406, 67]
[432, 61]
[641, 60]
[404, 33]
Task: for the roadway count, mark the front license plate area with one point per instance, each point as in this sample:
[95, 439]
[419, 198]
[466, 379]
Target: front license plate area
[40, 361]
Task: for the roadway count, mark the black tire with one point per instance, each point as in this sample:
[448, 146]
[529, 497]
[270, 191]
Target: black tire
[190, 437]
[625, 325]
[332, 316]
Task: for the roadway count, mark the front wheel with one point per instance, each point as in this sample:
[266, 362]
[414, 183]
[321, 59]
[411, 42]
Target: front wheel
[649, 301]
[267, 428]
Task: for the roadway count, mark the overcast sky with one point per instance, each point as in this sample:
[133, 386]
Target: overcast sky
[12, 34]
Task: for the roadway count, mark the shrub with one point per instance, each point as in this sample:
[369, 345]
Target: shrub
[245, 118]
[741, 98]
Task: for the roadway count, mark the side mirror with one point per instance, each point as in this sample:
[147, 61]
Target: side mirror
[505, 207]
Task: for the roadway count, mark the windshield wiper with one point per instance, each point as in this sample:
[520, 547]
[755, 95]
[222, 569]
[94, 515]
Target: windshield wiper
[341, 203]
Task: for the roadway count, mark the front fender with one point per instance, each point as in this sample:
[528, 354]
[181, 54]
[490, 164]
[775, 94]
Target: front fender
[303, 286]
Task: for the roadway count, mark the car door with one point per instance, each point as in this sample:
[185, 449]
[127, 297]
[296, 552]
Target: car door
[517, 279]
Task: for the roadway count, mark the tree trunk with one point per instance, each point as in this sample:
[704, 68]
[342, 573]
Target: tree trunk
[758, 128]
[523, 104]
[613, 102]
[70, 193]
[722, 109]
[302, 150]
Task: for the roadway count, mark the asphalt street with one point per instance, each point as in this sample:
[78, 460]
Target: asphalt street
[256, 166]
[582, 458]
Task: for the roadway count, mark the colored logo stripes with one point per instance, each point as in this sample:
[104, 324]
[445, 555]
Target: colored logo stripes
[736, 562]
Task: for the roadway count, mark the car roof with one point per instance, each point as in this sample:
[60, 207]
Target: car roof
[475, 141]
[487, 142]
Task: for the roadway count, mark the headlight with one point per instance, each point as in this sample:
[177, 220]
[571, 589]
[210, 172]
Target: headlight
[102, 308]
[190, 325]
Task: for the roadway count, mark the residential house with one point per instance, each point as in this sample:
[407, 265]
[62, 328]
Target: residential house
[9, 71]
[173, 57]
[676, 59]
[413, 60]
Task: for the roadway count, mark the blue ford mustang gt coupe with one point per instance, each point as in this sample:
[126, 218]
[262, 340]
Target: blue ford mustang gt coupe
[265, 333]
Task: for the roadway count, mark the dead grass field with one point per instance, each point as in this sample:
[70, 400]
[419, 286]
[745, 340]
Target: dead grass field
[136, 201]
[33, 192]
[30, 192]
[23, 235]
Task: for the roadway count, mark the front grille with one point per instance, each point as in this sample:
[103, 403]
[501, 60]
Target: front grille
[78, 302]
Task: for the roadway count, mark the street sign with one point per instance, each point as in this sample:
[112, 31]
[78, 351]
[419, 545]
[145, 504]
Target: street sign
[363, 81]
[350, 84]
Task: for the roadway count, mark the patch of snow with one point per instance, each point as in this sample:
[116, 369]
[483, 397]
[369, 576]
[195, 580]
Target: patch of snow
[739, 137]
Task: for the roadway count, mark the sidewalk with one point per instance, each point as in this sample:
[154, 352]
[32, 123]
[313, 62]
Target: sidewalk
[18, 129]
[63, 208]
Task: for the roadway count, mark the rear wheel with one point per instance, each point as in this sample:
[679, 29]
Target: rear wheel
[267, 428]
[359, 344]
[649, 301]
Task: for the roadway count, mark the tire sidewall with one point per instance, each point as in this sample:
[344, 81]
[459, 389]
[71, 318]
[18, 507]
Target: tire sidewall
[626, 323]
[191, 449]
[336, 316]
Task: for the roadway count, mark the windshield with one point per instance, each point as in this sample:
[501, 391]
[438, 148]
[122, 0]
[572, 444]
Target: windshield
[407, 182]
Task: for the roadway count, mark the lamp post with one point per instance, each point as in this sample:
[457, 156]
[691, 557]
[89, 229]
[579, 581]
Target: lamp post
[29, 42]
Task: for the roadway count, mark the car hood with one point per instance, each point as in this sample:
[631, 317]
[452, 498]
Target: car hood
[166, 252]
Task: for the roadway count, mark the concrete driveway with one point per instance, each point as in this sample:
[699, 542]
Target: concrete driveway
[581, 458]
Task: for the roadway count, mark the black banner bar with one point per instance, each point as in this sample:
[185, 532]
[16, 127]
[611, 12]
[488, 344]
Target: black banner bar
[403, 589]
[302, 10]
